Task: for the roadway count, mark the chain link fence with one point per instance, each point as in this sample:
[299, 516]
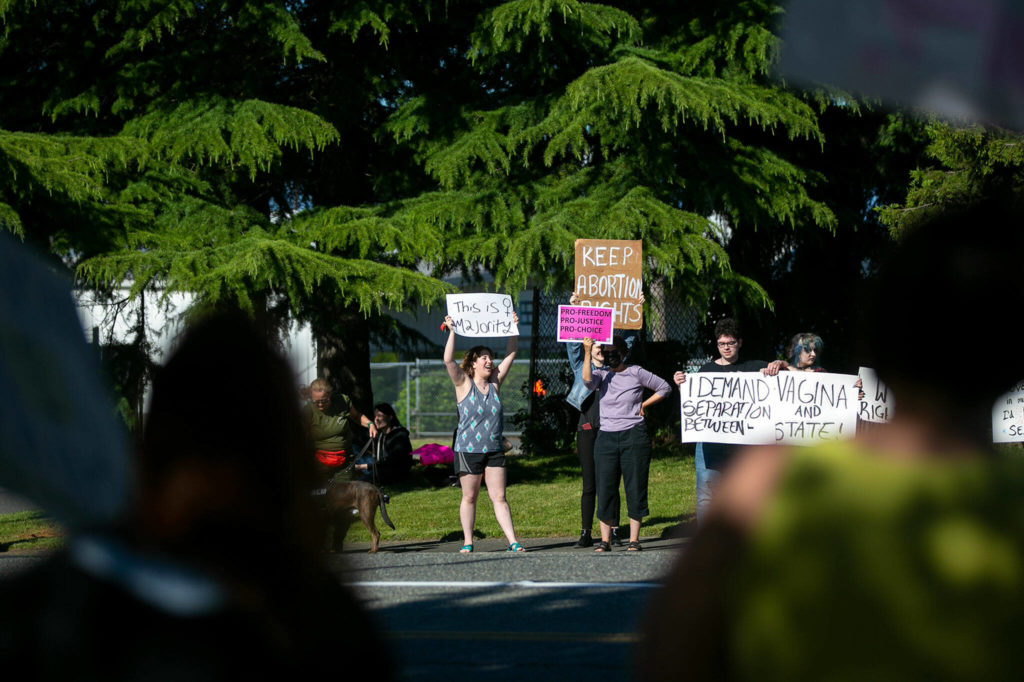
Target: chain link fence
[534, 392]
[424, 399]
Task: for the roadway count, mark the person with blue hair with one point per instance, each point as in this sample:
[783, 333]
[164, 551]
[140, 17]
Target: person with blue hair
[803, 354]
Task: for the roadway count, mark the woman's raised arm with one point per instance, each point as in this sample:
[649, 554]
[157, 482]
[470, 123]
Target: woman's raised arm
[511, 347]
[458, 377]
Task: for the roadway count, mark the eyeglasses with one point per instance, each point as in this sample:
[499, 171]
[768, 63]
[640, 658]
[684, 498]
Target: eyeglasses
[322, 401]
[727, 344]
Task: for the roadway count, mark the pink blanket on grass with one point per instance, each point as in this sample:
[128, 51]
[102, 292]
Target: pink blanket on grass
[433, 453]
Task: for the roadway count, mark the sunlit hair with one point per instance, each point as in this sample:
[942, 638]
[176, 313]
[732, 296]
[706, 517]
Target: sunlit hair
[320, 384]
[386, 409]
[471, 356]
[618, 344]
[727, 327]
[804, 342]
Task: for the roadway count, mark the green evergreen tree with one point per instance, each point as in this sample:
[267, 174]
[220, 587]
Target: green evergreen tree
[306, 159]
[964, 162]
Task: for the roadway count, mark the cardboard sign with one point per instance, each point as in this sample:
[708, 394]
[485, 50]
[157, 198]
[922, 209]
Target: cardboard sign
[576, 324]
[609, 275]
[877, 403]
[482, 314]
[1008, 416]
[750, 408]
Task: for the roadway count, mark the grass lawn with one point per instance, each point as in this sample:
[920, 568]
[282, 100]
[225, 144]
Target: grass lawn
[543, 491]
[544, 494]
[28, 530]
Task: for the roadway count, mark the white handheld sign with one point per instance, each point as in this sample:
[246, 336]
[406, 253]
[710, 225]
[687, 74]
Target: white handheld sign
[482, 314]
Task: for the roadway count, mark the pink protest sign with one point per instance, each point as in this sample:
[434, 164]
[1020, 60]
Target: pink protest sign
[577, 323]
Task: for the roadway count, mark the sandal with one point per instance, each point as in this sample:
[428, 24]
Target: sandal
[634, 546]
[603, 547]
[515, 547]
[466, 549]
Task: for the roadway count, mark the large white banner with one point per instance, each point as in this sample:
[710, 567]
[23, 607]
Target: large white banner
[482, 314]
[750, 408]
[1008, 416]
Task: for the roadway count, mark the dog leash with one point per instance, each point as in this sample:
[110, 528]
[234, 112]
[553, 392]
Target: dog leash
[381, 495]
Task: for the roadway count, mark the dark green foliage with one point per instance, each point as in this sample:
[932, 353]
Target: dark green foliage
[965, 163]
[548, 425]
[316, 160]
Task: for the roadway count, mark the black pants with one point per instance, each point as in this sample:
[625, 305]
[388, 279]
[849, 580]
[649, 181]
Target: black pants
[625, 454]
[588, 497]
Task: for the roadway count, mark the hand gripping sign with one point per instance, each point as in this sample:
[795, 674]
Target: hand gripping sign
[577, 323]
[482, 314]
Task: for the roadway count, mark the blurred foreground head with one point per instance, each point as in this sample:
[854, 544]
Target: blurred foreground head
[221, 465]
[936, 322]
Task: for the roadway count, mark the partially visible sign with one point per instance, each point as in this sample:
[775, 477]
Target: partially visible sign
[1008, 416]
[482, 314]
[609, 275]
[877, 403]
[577, 323]
[748, 407]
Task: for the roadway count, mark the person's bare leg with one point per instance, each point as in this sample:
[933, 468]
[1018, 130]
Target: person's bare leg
[495, 479]
[606, 534]
[634, 530]
[467, 508]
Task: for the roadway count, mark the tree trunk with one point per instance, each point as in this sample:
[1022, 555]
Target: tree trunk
[658, 324]
[343, 354]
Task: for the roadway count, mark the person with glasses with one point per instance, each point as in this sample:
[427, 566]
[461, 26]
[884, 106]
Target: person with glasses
[329, 419]
[711, 458]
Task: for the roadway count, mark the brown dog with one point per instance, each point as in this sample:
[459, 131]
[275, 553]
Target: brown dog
[345, 500]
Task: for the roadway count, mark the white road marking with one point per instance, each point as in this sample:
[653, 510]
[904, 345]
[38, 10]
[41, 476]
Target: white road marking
[481, 584]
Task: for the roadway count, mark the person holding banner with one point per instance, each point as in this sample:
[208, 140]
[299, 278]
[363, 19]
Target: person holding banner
[479, 452]
[623, 447]
[711, 458]
[804, 353]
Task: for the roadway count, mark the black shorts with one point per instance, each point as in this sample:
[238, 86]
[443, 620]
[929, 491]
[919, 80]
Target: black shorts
[476, 462]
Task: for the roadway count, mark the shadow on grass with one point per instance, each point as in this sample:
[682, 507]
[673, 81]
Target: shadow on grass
[520, 469]
[685, 526]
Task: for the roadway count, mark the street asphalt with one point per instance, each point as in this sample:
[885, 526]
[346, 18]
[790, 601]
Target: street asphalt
[555, 612]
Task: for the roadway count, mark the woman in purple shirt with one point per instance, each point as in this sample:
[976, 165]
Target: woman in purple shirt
[623, 447]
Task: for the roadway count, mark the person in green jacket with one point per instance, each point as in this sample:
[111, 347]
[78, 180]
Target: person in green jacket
[329, 419]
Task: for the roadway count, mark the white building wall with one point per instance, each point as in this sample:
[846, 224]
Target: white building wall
[114, 322]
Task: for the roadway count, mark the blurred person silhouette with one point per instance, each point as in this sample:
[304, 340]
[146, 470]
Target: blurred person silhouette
[898, 555]
[215, 571]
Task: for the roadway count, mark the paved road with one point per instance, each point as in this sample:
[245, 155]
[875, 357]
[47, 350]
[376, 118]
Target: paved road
[554, 613]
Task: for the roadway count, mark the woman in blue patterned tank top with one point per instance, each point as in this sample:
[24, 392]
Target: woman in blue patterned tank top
[479, 455]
